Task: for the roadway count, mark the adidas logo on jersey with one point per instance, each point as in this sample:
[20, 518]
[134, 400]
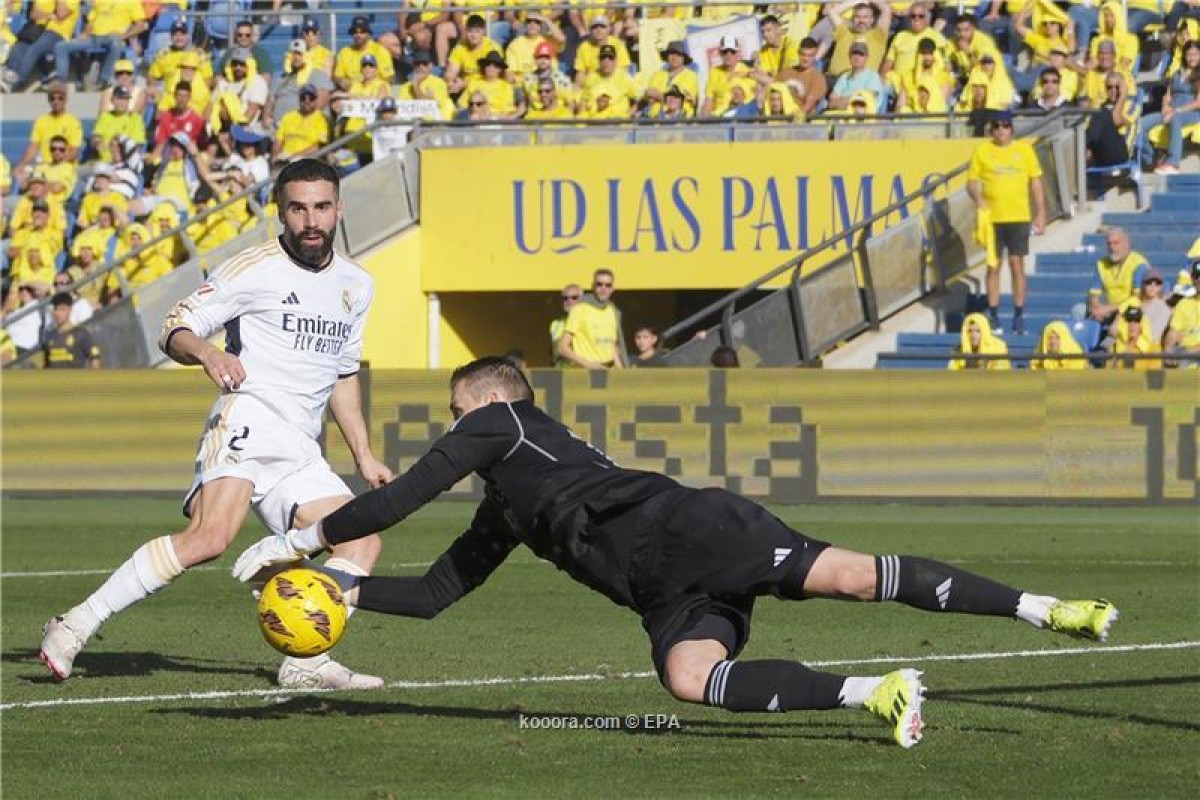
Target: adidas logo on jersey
[943, 592]
[291, 300]
[781, 553]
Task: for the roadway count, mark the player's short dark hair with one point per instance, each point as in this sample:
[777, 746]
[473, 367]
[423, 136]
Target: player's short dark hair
[494, 372]
[307, 170]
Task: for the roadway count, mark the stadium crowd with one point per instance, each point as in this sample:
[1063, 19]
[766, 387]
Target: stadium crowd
[193, 110]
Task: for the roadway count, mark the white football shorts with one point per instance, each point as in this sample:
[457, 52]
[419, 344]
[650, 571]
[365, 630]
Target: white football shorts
[245, 439]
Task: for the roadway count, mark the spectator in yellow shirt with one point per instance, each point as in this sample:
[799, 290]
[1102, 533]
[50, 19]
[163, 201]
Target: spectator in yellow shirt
[776, 52]
[303, 131]
[587, 55]
[929, 71]
[144, 268]
[521, 53]
[124, 77]
[676, 72]
[37, 190]
[422, 84]
[546, 69]
[969, 46]
[502, 97]
[1003, 173]
[58, 122]
[37, 236]
[121, 121]
[101, 195]
[61, 174]
[318, 56]
[110, 25]
[549, 104]
[722, 76]
[166, 65]
[1112, 29]
[608, 81]
[348, 67]
[463, 64]
[904, 52]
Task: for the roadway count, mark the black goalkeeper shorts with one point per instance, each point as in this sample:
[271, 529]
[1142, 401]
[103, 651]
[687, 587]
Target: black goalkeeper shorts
[714, 553]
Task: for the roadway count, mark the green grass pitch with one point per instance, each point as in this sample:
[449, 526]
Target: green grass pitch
[1091, 722]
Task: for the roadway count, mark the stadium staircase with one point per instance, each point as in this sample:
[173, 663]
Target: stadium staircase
[1059, 285]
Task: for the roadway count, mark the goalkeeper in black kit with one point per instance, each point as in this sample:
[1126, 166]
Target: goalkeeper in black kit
[689, 562]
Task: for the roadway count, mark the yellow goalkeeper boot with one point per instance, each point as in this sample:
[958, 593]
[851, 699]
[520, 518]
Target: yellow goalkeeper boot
[898, 702]
[1089, 619]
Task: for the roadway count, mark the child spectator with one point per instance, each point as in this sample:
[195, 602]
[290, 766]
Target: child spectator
[1056, 340]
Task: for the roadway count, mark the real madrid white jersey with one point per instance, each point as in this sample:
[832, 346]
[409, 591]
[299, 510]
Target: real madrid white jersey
[295, 330]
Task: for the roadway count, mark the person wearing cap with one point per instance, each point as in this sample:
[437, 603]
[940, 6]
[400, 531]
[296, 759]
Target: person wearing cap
[540, 35]
[369, 86]
[1118, 277]
[121, 121]
[968, 46]
[549, 104]
[1002, 174]
[111, 24]
[57, 122]
[859, 78]
[302, 131]
[369, 83]
[607, 80]
[125, 77]
[904, 52]
[66, 346]
[1130, 335]
[587, 55]
[317, 54]
[239, 99]
[59, 19]
[167, 62]
[37, 190]
[722, 76]
[674, 73]
[422, 84]
[1150, 298]
[463, 63]
[38, 235]
[347, 67]
[61, 173]
[1056, 342]
[503, 99]
[101, 194]
[1183, 332]
[284, 96]
[928, 70]
[870, 24]
[804, 80]
[546, 68]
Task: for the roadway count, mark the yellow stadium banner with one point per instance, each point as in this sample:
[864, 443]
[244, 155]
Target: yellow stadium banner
[663, 216]
[788, 436]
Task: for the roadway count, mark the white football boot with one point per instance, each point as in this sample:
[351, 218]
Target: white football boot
[322, 672]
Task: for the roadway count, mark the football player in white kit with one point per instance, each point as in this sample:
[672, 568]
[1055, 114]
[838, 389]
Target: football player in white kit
[293, 312]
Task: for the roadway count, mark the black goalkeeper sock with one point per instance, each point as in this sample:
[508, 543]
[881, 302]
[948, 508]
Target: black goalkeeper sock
[773, 685]
[934, 586]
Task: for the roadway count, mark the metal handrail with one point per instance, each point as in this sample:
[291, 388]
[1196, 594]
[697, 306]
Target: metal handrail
[792, 263]
[1018, 355]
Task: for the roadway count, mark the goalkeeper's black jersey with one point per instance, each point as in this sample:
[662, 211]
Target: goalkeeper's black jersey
[546, 488]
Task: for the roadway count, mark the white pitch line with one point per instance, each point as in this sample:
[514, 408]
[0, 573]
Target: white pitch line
[539, 679]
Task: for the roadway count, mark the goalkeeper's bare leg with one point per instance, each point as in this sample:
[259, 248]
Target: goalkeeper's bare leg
[217, 513]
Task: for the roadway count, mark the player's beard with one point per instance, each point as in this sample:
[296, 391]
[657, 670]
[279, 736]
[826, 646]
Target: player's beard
[312, 255]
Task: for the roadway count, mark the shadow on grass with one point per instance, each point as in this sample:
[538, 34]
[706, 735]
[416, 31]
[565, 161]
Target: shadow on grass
[983, 697]
[93, 664]
[748, 728]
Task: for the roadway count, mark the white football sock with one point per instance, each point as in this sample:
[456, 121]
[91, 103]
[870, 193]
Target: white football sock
[856, 691]
[151, 567]
[1035, 608]
[342, 565]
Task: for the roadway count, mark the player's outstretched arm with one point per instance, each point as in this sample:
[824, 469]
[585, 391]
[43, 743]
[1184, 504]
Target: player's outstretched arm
[223, 369]
[468, 562]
